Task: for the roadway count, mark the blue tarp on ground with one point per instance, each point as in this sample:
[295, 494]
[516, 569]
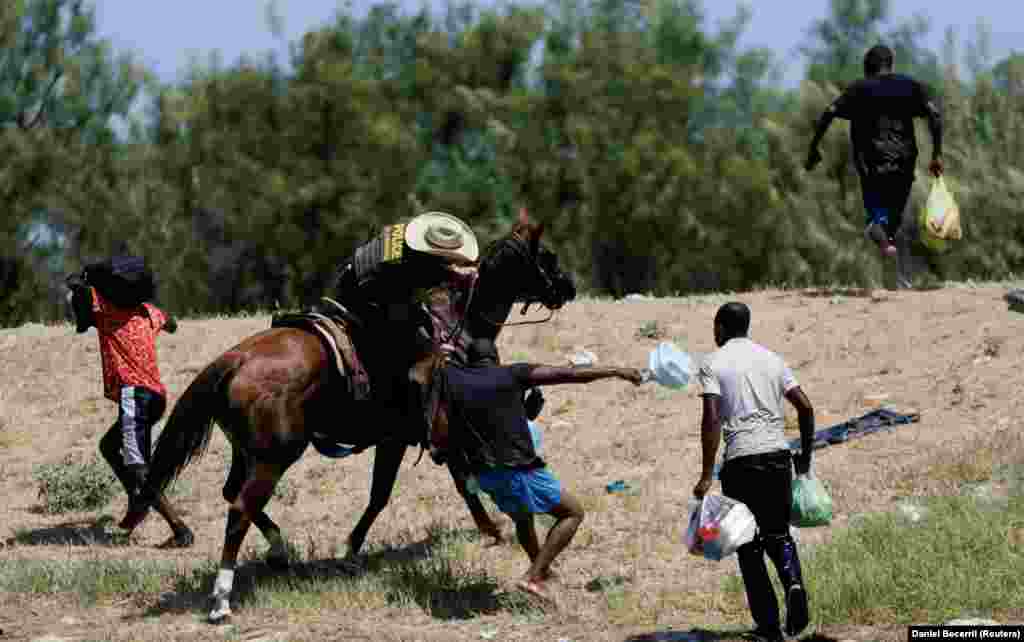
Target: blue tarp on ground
[1015, 299]
[874, 421]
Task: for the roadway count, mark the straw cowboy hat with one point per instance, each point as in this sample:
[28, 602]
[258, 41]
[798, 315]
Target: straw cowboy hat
[444, 235]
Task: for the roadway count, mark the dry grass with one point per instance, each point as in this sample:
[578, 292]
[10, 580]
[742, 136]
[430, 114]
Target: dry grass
[952, 354]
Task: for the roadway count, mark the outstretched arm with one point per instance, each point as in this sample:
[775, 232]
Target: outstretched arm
[814, 154]
[824, 122]
[845, 106]
[556, 375]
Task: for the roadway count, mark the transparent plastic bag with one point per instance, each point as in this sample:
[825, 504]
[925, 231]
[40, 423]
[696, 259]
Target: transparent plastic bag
[812, 505]
[718, 526]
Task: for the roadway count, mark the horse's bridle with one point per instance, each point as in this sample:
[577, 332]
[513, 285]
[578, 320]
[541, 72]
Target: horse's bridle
[437, 386]
[520, 246]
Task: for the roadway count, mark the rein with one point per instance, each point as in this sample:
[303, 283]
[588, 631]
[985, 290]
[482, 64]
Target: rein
[518, 245]
[551, 314]
[457, 330]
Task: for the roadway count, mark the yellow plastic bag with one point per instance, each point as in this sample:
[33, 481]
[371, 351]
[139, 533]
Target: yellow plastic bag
[940, 218]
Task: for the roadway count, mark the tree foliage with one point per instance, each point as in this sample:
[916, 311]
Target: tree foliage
[61, 90]
[662, 155]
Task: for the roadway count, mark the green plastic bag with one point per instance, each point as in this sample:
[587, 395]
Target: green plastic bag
[940, 218]
[811, 505]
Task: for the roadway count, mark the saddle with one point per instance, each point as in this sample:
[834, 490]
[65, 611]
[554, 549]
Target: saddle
[333, 330]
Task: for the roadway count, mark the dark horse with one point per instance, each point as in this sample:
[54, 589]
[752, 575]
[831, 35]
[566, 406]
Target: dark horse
[271, 391]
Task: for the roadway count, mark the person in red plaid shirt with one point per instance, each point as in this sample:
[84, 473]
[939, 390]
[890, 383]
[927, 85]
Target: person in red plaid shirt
[131, 379]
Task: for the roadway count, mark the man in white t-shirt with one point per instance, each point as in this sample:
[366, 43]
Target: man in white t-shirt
[744, 385]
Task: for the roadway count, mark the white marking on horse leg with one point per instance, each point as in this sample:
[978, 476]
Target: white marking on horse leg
[222, 594]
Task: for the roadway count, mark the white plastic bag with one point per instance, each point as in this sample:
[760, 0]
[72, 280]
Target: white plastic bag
[669, 366]
[718, 526]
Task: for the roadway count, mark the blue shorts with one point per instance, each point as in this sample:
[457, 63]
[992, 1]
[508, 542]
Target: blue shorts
[521, 491]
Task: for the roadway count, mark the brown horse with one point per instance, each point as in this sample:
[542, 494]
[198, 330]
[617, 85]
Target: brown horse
[271, 391]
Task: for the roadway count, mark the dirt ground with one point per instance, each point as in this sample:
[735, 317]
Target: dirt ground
[952, 354]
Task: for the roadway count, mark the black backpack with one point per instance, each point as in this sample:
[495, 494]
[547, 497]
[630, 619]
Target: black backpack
[125, 281]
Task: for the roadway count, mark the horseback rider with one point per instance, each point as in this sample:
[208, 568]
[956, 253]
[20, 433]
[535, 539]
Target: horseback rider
[402, 291]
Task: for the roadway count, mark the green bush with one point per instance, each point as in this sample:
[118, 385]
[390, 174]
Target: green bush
[74, 486]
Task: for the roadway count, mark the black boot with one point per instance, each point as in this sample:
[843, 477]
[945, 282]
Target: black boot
[783, 554]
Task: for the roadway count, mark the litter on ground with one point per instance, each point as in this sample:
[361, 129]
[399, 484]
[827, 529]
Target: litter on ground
[877, 420]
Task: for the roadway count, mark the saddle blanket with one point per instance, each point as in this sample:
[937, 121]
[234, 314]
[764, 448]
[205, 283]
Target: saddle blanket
[339, 344]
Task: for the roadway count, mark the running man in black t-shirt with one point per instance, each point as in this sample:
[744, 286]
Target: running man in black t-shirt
[481, 422]
[881, 108]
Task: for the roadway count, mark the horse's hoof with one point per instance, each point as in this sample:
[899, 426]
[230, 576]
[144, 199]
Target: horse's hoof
[218, 616]
[220, 613]
[181, 539]
[278, 562]
[352, 564]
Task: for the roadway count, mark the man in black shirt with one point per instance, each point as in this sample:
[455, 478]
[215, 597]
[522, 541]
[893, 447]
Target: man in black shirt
[881, 108]
[481, 421]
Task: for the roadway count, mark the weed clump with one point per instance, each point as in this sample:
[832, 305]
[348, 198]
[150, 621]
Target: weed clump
[70, 485]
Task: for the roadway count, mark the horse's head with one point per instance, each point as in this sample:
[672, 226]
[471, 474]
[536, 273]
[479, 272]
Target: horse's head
[520, 269]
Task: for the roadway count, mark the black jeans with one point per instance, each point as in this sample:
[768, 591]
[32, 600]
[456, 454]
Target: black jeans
[885, 199]
[765, 484]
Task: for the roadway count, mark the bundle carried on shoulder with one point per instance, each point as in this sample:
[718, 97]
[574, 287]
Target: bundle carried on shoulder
[125, 281]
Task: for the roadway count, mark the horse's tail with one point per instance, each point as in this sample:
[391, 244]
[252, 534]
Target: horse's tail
[187, 433]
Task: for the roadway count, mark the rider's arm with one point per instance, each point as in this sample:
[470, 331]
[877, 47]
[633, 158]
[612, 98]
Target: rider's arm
[541, 375]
